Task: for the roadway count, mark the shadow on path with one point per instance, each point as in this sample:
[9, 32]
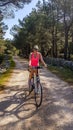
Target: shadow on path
[18, 110]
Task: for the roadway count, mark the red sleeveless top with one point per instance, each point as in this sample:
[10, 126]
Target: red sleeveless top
[34, 61]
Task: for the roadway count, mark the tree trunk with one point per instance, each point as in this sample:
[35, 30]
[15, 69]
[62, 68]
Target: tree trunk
[66, 45]
[56, 51]
[72, 37]
[53, 53]
[53, 43]
[48, 53]
[69, 53]
[42, 50]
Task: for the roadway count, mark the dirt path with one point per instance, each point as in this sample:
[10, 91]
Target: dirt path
[18, 111]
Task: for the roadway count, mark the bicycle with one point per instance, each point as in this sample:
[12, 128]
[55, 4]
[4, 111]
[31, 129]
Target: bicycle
[37, 87]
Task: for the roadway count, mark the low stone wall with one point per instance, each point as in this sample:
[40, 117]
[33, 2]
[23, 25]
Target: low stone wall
[59, 62]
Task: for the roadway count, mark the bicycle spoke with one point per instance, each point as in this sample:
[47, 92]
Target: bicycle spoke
[38, 94]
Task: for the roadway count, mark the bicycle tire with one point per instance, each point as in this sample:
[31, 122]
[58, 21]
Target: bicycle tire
[38, 95]
[30, 87]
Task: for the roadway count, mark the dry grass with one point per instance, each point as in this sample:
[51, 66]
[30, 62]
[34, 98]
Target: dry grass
[4, 78]
[64, 73]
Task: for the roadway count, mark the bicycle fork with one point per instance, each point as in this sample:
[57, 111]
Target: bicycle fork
[36, 80]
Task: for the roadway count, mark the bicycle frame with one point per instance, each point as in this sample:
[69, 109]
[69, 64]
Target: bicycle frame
[36, 78]
[37, 87]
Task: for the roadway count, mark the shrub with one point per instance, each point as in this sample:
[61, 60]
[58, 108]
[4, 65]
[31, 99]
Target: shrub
[59, 62]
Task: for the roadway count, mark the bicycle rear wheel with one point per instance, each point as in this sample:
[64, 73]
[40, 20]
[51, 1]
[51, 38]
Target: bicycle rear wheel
[38, 94]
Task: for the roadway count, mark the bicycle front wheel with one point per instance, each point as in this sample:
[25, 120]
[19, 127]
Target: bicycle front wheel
[31, 86]
[38, 94]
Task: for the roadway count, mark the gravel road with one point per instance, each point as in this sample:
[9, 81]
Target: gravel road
[18, 110]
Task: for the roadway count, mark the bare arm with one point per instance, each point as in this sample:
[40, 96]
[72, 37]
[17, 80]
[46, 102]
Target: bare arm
[30, 59]
[41, 58]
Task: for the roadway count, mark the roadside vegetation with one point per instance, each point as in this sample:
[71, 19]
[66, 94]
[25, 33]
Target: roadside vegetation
[4, 78]
[64, 73]
[50, 25]
[6, 62]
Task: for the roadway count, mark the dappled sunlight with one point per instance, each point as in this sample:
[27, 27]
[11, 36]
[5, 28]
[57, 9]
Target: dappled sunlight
[11, 107]
[16, 107]
[8, 119]
[26, 111]
[19, 78]
[18, 110]
[62, 118]
[61, 99]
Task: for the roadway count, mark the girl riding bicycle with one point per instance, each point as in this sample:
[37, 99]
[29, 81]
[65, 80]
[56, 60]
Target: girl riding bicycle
[34, 59]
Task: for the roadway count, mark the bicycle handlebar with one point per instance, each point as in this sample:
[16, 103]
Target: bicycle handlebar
[38, 67]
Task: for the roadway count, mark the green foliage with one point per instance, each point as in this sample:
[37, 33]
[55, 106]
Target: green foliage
[1, 58]
[7, 7]
[2, 50]
[6, 76]
[3, 28]
[64, 73]
[32, 31]
[49, 26]
[6, 49]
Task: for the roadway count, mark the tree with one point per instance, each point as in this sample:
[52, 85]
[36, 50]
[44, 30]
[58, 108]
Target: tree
[70, 47]
[15, 2]
[7, 6]
[3, 27]
[66, 9]
[49, 26]
[32, 30]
